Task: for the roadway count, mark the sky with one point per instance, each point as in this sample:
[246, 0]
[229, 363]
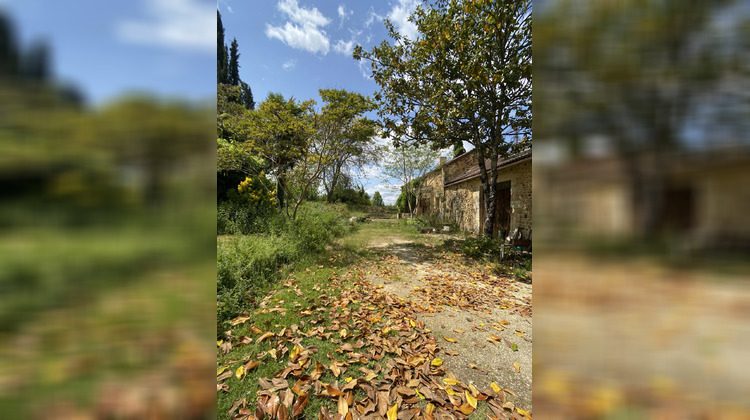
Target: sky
[108, 48]
[296, 47]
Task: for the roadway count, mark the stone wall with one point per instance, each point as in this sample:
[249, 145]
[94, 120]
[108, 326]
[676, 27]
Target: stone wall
[431, 197]
[462, 204]
[460, 165]
[462, 199]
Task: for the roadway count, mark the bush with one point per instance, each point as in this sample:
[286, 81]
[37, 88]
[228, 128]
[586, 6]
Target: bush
[248, 264]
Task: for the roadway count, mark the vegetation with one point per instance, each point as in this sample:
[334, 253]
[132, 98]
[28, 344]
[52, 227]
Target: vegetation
[409, 165]
[377, 199]
[467, 76]
[228, 67]
[248, 264]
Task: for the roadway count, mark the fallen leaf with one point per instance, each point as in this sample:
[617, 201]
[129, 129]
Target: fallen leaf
[437, 362]
[393, 412]
[524, 413]
[470, 399]
[466, 408]
[264, 336]
[518, 367]
[450, 340]
[241, 319]
[240, 372]
[343, 407]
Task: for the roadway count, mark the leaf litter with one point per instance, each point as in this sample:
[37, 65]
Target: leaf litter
[391, 365]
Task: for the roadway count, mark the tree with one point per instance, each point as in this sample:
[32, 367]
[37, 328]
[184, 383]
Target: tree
[222, 58]
[233, 72]
[408, 164]
[377, 199]
[246, 97]
[280, 133]
[467, 76]
[348, 134]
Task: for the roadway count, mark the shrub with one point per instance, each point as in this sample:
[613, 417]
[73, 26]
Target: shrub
[248, 264]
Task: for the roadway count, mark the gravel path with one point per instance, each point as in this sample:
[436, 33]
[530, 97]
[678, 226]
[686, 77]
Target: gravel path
[488, 317]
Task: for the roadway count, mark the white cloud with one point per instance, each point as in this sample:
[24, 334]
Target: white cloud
[289, 65]
[177, 24]
[399, 16]
[345, 48]
[343, 14]
[372, 16]
[303, 30]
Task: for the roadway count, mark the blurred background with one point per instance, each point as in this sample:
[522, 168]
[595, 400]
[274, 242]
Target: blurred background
[107, 209]
[641, 198]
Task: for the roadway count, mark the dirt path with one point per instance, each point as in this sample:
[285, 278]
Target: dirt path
[482, 321]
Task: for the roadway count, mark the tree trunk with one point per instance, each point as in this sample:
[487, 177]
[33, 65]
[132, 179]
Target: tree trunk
[488, 177]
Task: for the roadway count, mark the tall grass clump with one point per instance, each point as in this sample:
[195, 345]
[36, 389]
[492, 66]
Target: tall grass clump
[247, 264]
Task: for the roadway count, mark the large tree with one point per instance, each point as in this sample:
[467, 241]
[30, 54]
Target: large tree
[233, 72]
[222, 58]
[467, 76]
[348, 134]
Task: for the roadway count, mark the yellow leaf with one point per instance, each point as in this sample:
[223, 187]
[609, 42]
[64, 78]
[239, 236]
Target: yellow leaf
[519, 334]
[240, 319]
[430, 408]
[221, 369]
[518, 367]
[240, 372]
[219, 343]
[421, 397]
[450, 391]
[413, 324]
[295, 353]
[450, 381]
[495, 387]
[349, 379]
[450, 340]
[393, 412]
[470, 399]
[524, 413]
[437, 362]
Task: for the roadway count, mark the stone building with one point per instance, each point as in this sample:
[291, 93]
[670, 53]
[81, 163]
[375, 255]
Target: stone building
[454, 192]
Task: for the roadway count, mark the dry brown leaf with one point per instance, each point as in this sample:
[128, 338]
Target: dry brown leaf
[343, 407]
[300, 405]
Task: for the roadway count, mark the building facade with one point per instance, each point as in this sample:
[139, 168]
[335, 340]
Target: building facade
[454, 192]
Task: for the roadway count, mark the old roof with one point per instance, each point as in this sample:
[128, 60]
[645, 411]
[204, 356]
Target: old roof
[501, 161]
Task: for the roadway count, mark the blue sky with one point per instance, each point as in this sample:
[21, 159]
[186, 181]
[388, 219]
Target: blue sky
[107, 48]
[296, 47]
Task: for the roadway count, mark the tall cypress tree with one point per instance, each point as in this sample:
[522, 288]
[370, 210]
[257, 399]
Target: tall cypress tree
[246, 97]
[221, 51]
[233, 73]
[9, 54]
